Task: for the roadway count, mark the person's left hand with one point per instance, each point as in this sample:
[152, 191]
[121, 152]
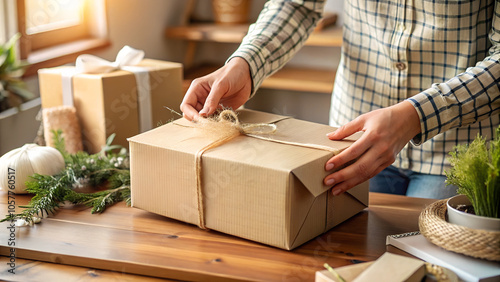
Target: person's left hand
[386, 132]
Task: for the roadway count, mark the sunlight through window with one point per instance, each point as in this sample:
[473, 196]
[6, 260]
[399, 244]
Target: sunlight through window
[46, 15]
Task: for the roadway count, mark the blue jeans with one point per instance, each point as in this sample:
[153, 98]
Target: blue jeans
[393, 180]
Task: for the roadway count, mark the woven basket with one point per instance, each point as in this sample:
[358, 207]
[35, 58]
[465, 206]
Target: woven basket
[476, 243]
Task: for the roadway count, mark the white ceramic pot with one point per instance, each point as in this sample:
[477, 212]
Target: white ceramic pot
[469, 220]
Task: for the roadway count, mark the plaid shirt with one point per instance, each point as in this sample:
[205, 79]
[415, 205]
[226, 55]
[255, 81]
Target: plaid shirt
[442, 56]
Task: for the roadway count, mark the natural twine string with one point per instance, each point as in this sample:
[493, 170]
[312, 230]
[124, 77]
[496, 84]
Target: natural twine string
[222, 129]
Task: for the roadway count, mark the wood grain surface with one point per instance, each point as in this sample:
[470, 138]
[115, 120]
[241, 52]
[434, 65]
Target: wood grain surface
[125, 240]
[31, 270]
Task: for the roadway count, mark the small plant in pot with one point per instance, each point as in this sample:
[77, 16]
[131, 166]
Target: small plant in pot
[13, 91]
[476, 172]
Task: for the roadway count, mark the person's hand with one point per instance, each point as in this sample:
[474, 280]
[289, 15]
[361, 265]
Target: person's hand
[229, 86]
[386, 132]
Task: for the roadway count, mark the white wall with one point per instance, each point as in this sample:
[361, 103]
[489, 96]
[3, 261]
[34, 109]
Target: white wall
[141, 24]
[335, 6]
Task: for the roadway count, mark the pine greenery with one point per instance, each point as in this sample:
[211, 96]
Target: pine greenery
[106, 172]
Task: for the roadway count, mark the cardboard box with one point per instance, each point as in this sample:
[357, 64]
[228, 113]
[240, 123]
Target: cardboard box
[389, 267]
[348, 272]
[256, 189]
[108, 103]
[393, 268]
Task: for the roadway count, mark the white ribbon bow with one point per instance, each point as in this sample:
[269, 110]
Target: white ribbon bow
[126, 59]
[127, 56]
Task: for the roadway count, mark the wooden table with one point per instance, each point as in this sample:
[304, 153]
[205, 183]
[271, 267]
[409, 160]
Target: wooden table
[129, 244]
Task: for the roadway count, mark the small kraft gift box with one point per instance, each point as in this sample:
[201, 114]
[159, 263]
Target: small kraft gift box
[125, 97]
[262, 187]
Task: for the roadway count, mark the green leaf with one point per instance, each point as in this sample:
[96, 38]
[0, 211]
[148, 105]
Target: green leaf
[3, 58]
[11, 71]
[108, 147]
[476, 172]
[12, 41]
[59, 143]
[110, 139]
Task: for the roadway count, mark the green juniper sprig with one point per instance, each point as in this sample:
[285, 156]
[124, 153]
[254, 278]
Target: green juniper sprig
[107, 169]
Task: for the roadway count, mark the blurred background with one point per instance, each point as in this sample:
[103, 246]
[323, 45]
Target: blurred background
[55, 32]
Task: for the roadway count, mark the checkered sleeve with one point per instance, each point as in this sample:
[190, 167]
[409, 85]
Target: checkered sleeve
[467, 98]
[281, 29]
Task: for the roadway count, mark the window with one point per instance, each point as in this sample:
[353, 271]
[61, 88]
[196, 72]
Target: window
[52, 22]
[54, 32]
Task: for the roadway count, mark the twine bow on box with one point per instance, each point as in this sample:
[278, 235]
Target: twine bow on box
[127, 60]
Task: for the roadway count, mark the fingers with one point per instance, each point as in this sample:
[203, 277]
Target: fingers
[203, 97]
[353, 182]
[355, 174]
[386, 132]
[188, 110]
[353, 152]
[347, 130]
[370, 157]
[193, 100]
[213, 99]
[192, 113]
[230, 86]
[364, 159]
[359, 162]
[359, 169]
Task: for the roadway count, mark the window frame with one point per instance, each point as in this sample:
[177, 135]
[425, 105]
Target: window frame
[62, 46]
[57, 36]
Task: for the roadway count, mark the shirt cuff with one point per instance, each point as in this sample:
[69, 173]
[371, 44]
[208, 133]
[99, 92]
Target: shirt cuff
[254, 74]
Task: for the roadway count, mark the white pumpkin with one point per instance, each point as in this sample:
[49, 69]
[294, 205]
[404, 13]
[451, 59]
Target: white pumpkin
[19, 164]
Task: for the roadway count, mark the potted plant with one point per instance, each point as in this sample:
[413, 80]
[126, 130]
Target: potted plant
[18, 106]
[476, 172]
[13, 91]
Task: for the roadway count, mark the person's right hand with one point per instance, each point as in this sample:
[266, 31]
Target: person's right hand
[229, 86]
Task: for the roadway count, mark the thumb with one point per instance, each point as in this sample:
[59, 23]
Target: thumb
[346, 130]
